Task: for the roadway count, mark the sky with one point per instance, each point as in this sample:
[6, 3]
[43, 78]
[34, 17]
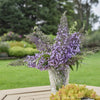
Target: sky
[96, 10]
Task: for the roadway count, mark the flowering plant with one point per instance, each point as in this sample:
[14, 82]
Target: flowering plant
[63, 53]
[75, 92]
[11, 36]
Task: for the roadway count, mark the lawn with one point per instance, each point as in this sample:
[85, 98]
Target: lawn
[22, 76]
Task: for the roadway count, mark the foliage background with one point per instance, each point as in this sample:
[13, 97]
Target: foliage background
[20, 16]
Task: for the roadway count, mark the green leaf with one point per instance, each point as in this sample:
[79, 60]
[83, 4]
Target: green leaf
[71, 68]
[37, 61]
[77, 65]
[45, 55]
[45, 63]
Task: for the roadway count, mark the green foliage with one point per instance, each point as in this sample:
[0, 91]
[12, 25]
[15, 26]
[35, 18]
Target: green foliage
[92, 40]
[76, 60]
[35, 51]
[30, 51]
[4, 47]
[84, 14]
[15, 16]
[74, 92]
[20, 16]
[17, 51]
[21, 44]
[26, 44]
[52, 37]
[21, 49]
[73, 28]
[15, 43]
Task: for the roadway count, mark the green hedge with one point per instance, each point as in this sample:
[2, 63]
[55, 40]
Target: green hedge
[4, 47]
[21, 44]
[30, 51]
[26, 44]
[92, 40]
[18, 51]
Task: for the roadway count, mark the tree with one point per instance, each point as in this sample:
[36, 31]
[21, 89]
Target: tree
[50, 12]
[14, 16]
[22, 15]
[84, 13]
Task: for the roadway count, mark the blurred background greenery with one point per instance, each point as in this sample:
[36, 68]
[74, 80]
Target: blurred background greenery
[20, 16]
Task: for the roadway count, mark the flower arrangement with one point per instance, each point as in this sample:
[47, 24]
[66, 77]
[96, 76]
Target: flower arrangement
[57, 57]
[62, 53]
[74, 92]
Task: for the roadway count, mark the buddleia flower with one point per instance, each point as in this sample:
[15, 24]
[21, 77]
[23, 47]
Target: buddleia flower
[61, 54]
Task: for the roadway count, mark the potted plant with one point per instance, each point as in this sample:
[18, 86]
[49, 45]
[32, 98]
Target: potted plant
[74, 92]
[57, 57]
[4, 49]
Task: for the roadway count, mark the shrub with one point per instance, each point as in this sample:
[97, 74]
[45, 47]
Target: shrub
[30, 51]
[52, 37]
[36, 51]
[74, 92]
[15, 43]
[17, 51]
[11, 36]
[92, 40]
[4, 47]
[21, 44]
[26, 44]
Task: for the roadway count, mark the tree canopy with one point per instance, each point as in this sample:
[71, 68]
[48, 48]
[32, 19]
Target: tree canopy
[20, 16]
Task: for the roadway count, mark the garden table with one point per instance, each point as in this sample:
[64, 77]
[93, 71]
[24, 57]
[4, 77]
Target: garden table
[32, 93]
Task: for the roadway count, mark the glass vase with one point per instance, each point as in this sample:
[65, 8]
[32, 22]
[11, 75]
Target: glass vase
[58, 78]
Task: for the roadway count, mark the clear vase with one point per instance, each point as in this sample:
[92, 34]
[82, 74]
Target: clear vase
[58, 78]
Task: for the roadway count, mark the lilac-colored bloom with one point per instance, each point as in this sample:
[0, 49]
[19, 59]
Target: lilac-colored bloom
[60, 54]
[20, 36]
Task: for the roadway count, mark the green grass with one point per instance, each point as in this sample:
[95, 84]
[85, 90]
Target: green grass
[89, 71]
[19, 77]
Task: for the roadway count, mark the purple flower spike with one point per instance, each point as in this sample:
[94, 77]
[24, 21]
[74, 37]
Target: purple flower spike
[60, 54]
